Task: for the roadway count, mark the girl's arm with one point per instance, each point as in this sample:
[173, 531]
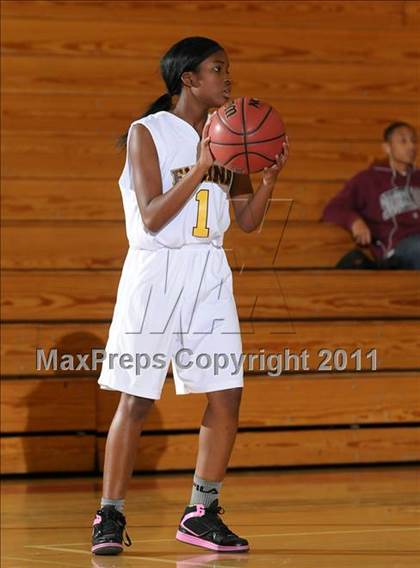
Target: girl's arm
[156, 207]
[250, 208]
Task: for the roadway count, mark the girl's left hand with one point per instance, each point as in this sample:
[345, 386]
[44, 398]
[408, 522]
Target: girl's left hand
[270, 174]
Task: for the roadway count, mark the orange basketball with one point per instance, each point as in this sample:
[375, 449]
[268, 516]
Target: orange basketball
[246, 134]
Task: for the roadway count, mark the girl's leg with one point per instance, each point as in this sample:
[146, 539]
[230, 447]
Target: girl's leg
[122, 443]
[217, 433]
[200, 524]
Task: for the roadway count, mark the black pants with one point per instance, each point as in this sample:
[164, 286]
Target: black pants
[357, 260]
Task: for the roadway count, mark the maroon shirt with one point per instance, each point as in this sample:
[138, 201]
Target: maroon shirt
[388, 201]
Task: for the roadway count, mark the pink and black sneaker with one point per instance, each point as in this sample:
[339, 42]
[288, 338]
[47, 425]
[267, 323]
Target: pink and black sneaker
[203, 527]
[107, 531]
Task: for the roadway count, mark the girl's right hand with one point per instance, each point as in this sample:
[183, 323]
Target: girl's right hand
[205, 158]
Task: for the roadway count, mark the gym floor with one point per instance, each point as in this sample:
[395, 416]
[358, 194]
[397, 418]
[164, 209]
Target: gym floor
[364, 517]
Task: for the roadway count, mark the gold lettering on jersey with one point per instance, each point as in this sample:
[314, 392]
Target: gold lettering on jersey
[217, 174]
[201, 229]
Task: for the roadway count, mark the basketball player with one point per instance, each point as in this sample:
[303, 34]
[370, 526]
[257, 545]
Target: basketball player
[175, 292]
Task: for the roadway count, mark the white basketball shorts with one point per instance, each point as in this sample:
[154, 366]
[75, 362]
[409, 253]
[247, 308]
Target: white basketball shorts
[174, 305]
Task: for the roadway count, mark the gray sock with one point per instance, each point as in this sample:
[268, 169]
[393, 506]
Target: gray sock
[118, 503]
[204, 492]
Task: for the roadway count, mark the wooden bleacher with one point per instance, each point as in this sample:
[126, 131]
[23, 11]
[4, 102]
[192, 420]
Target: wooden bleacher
[66, 99]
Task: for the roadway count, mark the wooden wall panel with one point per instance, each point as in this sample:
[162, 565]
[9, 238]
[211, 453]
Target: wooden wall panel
[85, 157]
[109, 115]
[320, 447]
[411, 14]
[298, 295]
[60, 404]
[90, 295]
[104, 245]
[121, 39]
[42, 454]
[359, 398]
[34, 405]
[112, 75]
[331, 14]
[75, 453]
[175, 452]
[397, 342]
[100, 200]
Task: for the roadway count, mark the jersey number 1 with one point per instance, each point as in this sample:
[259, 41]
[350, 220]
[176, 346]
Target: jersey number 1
[200, 229]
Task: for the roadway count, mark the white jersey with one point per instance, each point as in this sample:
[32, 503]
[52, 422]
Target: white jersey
[204, 218]
[175, 295]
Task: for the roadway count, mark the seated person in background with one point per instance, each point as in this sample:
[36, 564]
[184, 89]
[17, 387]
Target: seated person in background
[380, 206]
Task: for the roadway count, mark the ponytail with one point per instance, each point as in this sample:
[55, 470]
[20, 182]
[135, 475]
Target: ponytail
[162, 103]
